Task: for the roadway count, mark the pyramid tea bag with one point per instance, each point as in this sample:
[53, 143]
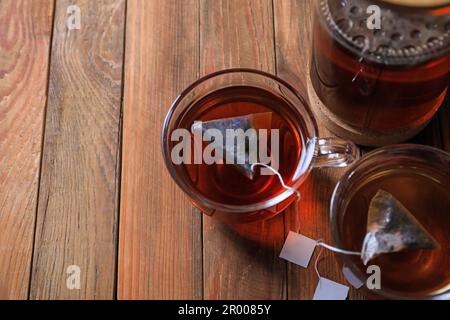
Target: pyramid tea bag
[392, 228]
[234, 150]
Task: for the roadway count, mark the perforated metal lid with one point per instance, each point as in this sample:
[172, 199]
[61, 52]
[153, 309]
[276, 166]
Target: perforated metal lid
[402, 40]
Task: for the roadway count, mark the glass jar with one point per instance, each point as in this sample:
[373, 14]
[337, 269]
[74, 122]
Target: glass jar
[380, 69]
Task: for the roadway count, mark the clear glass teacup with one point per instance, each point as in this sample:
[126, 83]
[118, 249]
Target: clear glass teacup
[419, 177]
[218, 189]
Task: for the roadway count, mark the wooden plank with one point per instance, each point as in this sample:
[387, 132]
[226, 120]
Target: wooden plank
[240, 262]
[444, 116]
[431, 135]
[24, 53]
[78, 199]
[293, 27]
[160, 248]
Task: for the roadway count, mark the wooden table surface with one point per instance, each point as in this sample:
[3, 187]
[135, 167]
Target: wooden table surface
[82, 179]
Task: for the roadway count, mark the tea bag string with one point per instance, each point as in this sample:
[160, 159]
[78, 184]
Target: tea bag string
[279, 178]
[316, 263]
[319, 243]
[322, 245]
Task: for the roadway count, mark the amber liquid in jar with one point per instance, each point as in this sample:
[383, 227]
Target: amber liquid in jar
[383, 80]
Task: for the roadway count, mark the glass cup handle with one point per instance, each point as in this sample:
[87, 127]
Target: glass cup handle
[334, 153]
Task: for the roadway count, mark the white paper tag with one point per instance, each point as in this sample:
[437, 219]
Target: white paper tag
[351, 277]
[330, 290]
[298, 249]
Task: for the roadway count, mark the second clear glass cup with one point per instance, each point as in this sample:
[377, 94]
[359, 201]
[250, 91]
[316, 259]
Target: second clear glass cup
[419, 178]
[218, 189]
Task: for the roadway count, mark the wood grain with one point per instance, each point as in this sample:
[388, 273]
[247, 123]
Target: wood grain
[431, 135]
[25, 34]
[157, 246]
[310, 217]
[240, 262]
[444, 116]
[160, 250]
[78, 199]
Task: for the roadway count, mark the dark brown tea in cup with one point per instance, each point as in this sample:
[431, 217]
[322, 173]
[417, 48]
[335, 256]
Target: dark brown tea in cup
[426, 194]
[222, 183]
